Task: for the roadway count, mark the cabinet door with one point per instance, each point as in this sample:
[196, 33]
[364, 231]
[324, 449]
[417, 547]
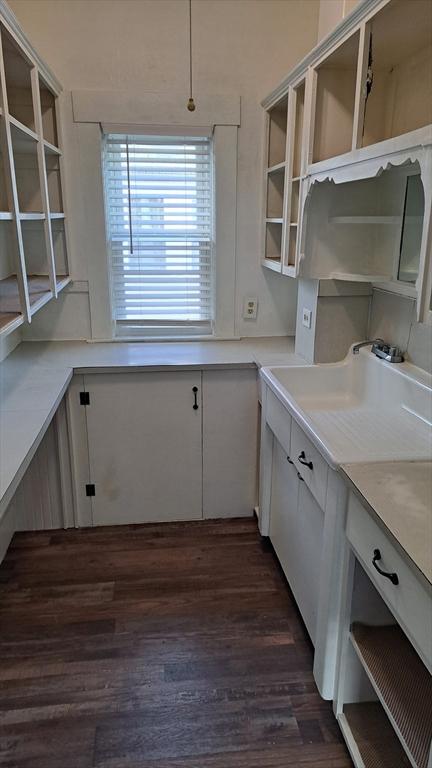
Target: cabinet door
[296, 532]
[310, 530]
[144, 446]
[230, 442]
[283, 515]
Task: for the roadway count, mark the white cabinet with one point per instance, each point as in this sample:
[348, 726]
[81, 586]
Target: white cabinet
[302, 509]
[384, 693]
[296, 532]
[153, 456]
[144, 439]
[230, 432]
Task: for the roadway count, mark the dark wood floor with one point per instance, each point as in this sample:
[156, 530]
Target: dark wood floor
[174, 646]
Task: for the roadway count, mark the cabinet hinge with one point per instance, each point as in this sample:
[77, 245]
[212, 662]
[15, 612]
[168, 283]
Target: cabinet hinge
[90, 489]
[84, 398]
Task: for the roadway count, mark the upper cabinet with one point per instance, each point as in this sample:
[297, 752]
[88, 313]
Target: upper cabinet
[352, 151]
[33, 251]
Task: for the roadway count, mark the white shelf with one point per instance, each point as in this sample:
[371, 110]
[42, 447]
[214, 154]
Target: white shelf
[370, 738]
[24, 140]
[9, 321]
[289, 271]
[5, 216]
[365, 220]
[402, 683]
[274, 220]
[62, 282]
[32, 216]
[50, 149]
[54, 216]
[273, 264]
[277, 168]
[359, 278]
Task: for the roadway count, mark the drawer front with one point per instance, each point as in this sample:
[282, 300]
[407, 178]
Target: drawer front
[315, 476]
[279, 420]
[409, 600]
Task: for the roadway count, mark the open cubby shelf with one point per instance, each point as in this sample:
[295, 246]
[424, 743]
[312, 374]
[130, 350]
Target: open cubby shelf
[38, 286]
[402, 683]
[277, 133]
[335, 101]
[367, 726]
[18, 68]
[402, 66]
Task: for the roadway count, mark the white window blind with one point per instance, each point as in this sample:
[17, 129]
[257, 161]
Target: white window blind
[159, 203]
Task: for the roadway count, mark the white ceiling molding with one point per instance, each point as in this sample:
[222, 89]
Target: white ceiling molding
[154, 109]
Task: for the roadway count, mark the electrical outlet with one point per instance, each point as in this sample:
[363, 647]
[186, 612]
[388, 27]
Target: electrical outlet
[250, 308]
[307, 317]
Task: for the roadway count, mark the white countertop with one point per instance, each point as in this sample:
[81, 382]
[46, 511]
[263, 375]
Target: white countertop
[86, 357]
[400, 494]
[34, 378]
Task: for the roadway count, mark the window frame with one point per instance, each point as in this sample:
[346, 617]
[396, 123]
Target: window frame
[165, 328]
[225, 140]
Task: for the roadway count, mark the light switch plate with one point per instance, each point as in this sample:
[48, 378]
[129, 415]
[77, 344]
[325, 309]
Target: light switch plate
[250, 308]
[307, 317]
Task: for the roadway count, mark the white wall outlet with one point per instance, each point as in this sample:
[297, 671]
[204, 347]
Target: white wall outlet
[307, 317]
[250, 308]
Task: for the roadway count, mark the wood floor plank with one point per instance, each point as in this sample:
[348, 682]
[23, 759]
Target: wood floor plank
[156, 646]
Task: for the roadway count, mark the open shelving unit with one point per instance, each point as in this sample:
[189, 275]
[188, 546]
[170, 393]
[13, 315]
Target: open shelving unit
[33, 233]
[384, 693]
[283, 178]
[363, 93]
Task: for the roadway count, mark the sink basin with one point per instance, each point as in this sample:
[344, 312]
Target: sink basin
[361, 409]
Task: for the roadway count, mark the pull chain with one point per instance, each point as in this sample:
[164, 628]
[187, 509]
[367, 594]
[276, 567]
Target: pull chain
[191, 104]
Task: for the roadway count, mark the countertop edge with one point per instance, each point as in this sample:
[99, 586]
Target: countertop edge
[384, 527]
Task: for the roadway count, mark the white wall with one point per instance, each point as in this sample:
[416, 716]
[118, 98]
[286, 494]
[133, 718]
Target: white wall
[331, 12]
[241, 47]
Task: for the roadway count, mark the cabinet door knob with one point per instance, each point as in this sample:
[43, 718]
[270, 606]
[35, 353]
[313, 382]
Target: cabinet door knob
[195, 405]
[392, 576]
[302, 459]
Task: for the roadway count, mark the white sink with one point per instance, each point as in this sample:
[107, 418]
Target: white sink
[361, 409]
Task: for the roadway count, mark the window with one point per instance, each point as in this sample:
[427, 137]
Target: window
[160, 210]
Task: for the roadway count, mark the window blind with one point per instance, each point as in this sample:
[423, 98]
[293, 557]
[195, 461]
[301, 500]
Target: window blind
[159, 203]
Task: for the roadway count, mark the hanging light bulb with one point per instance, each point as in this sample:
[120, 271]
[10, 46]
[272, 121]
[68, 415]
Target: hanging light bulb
[191, 104]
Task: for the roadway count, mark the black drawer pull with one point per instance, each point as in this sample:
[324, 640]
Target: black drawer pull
[300, 477]
[290, 461]
[392, 576]
[195, 405]
[302, 459]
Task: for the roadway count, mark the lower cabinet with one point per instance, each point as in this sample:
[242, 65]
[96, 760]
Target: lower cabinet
[230, 449]
[165, 446]
[296, 532]
[144, 439]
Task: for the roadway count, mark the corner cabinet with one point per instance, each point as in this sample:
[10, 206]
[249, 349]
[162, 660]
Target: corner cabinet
[363, 93]
[164, 445]
[33, 235]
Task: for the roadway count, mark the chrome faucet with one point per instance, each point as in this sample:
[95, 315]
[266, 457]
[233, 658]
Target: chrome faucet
[389, 352]
[372, 342]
